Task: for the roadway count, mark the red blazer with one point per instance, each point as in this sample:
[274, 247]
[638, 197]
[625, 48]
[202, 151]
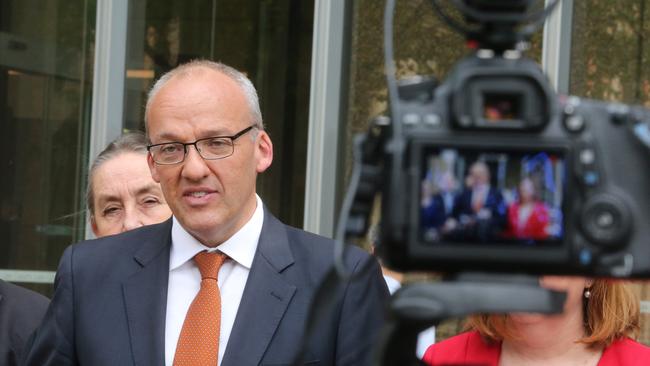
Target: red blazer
[535, 225]
[470, 349]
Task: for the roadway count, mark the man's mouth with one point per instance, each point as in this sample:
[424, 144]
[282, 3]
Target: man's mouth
[199, 196]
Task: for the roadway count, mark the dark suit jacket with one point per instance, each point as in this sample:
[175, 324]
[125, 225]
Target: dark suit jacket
[21, 311]
[493, 202]
[435, 213]
[483, 230]
[110, 302]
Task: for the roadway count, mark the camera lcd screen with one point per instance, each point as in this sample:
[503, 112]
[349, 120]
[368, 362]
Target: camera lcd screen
[492, 197]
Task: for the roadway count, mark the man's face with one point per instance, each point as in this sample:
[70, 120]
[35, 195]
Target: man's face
[480, 174]
[125, 196]
[212, 199]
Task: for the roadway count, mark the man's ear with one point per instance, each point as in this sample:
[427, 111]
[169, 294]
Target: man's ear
[263, 151]
[153, 168]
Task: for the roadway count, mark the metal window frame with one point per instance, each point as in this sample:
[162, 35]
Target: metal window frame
[27, 276]
[326, 89]
[556, 46]
[107, 114]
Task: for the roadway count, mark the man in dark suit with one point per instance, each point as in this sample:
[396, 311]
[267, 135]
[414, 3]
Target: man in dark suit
[21, 311]
[147, 296]
[479, 212]
[437, 208]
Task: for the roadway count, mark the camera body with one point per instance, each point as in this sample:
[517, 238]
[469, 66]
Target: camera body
[493, 171]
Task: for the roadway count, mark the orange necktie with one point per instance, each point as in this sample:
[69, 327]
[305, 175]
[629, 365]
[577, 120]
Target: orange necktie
[198, 343]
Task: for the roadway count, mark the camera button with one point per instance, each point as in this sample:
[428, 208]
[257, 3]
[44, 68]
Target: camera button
[587, 156]
[605, 220]
[432, 119]
[411, 119]
[591, 178]
[585, 257]
[574, 122]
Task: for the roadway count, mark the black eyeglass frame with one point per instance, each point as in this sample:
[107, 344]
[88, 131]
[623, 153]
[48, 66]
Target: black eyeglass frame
[186, 144]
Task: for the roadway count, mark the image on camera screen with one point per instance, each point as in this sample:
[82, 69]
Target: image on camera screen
[499, 107]
[492, 197]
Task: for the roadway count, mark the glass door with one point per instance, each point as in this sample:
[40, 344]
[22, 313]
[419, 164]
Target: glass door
[45, 93]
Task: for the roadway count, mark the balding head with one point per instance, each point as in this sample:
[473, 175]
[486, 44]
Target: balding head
[480, 173]
[196, 68]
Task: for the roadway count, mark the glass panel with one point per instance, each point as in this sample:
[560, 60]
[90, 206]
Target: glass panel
[45, 98]
[268, 40]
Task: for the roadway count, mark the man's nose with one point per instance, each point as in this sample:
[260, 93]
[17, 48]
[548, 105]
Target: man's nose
[194, 166]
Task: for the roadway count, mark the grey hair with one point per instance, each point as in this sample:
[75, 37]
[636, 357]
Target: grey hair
[132, 142]
[189, 68]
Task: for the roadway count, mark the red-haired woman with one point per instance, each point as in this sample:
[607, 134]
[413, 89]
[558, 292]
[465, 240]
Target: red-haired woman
[528, 218]
[595, 328]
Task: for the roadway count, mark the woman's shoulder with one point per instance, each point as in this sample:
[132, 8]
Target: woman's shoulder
[456, 342]
[625, 352]
[462, 348]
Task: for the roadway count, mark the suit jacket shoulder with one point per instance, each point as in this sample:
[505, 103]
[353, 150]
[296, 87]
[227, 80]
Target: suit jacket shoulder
[21, 311]
[287, 271]
[119, 250]
[107, 292]
[319, 251]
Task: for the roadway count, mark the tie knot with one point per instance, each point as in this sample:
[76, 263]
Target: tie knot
[209, 263]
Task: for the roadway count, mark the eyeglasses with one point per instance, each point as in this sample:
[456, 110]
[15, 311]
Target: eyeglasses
[210, 148]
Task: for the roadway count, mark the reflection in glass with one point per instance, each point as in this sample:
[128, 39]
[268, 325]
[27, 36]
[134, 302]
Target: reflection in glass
[45, 94]
[270, 41]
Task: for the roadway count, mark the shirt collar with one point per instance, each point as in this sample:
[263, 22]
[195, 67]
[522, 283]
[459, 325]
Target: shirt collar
[240, 247]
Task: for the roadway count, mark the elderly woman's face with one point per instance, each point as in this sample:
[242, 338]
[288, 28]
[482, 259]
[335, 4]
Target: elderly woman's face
[125, 196]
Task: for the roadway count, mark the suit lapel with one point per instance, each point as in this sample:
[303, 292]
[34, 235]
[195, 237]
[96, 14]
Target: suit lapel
[265, 298]
[145, 298]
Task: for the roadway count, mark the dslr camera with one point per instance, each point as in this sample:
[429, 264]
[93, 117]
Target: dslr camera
[491, 170]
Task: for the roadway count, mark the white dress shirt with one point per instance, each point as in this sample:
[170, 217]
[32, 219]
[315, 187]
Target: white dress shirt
[392, 284]
[185, 278]
[428, 336]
